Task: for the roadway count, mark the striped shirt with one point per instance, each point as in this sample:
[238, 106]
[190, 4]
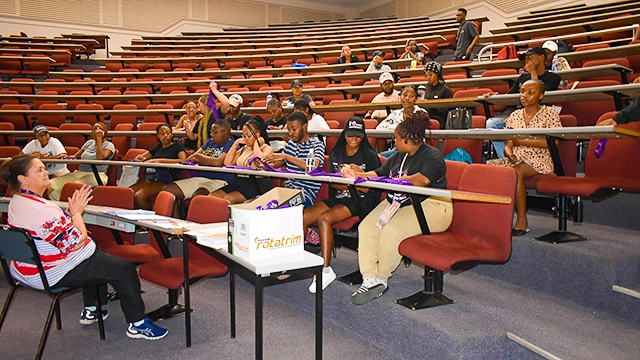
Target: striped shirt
[54, 236]
[301, 151]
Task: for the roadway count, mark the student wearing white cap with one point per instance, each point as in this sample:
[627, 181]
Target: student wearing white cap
[554, 62]
[388, 95]
[237, 118]
[46, 147]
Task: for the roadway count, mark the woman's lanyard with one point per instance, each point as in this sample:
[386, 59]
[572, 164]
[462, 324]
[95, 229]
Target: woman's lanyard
[28, 192]
[394, 206]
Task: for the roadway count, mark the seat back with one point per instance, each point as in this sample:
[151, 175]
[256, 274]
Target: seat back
[17, 245]
[19, 121]
[486, 223]
[454, 173]
[147, 142]
[113, 196]
[51, 119]
[474, 93]
[88, 118]
[587, 112]
[162, 206]
[6, 140]
[618, 164]
[74, 140]
[122, 143]
[203, 210]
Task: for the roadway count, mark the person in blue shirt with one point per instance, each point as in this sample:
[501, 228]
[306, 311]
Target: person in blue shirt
[300, 149]
[211, 153]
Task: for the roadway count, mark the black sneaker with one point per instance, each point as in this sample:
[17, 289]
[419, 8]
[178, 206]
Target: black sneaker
[365, 294]
[88, 317]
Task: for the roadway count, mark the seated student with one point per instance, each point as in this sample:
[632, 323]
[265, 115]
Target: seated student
[69, 256]
[528, 157]
[408, 98]
[412, 52]
[166, 152]
[46, 147]
[98, 148]
[200, 131]
[388, 95]
[296, 89]
[189, 120]
[251, 144]
[377, 63]
[212, 153]
[383, 229]
[315, 121]
[534, 69]
[237, 118]
[351, 149]
[436, 89]
[300, 151]
[346, 57]
[276, 122]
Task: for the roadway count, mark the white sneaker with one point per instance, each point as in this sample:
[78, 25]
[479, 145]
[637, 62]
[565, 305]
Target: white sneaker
[327, 278]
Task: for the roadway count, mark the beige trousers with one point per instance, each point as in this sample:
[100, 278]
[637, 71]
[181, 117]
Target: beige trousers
[378, 253]
[82, 177]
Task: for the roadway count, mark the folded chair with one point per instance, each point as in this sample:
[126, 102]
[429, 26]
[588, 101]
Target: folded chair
[614, 171]
[480, 233]
[17, 245]
[169, 272]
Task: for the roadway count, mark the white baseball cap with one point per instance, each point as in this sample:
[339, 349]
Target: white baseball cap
[385, 76]
[235, 100]
[550, 45]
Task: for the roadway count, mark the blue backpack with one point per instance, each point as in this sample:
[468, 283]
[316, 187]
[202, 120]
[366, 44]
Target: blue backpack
[459, 154]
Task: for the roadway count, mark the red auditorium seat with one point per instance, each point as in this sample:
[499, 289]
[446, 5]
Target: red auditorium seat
[88, 118]
[475, 93]
[74, 140]
[614, 171]
[122, 143]
[169, 273]
[50, 119]
[19, 121]
[480, 232]
[472, 146]
[587, 112]
[156, 118]
[39, 102]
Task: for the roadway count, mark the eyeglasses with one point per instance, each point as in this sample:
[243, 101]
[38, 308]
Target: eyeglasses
[217, 132]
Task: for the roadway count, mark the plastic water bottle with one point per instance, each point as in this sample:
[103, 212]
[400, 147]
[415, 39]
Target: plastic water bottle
[269, 97]
[554, 63]
[310, 162]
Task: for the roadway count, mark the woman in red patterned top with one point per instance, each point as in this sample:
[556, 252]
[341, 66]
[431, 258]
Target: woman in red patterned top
[69, 256]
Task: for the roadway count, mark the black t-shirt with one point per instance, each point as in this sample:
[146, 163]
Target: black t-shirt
[551, 81]
[427, 161]
[440, 91]
[366, 158]
[237, 124]
[280, 125]
[170, 152]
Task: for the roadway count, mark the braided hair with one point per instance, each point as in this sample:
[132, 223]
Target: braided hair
[414, 128]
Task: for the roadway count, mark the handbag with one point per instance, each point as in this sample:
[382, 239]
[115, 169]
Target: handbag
[458, 118]
[130, 175]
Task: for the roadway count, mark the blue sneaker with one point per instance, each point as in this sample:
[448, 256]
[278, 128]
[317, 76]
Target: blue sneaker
[88, 317]
[147, 330]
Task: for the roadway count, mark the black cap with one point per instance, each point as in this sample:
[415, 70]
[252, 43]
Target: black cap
[354, 127]
[538, 50]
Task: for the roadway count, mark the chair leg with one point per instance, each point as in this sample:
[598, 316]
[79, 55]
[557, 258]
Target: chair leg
[99, 311]
[562, 235]
[58, 317]
[431, 296]
[172, 309]
[47, 325]
[354, 278]
[7, 303]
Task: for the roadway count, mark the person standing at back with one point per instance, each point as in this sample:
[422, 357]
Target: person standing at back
[467, 36]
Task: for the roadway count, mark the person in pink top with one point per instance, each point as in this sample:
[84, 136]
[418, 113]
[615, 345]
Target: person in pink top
[69, 256]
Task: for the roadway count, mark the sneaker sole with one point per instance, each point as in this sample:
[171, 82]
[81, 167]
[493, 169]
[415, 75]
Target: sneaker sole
[141, 336]
[89, 322]
[369, 295]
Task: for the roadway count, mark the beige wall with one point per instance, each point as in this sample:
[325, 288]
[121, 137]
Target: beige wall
[123, 20]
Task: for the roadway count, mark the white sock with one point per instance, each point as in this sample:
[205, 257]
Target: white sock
[138, 323]
[326, 270]
[369, 282]
[90, 308]
[383, 282]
